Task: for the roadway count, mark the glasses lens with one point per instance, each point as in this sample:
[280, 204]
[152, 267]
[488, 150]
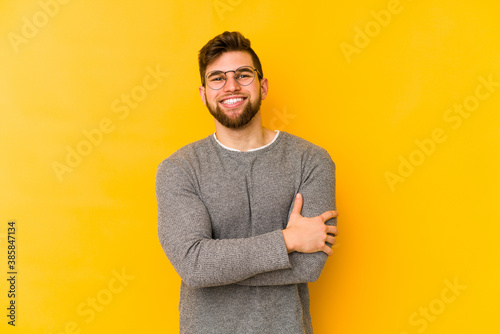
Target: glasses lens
[216, 80]
[244, 75]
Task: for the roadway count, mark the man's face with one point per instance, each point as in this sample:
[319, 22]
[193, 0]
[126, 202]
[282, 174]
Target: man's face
[234, 105]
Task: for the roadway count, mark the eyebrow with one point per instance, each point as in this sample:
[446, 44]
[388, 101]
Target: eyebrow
[214, 72]
[221, 71]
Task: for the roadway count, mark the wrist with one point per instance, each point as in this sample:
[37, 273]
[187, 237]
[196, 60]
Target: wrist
[287, 237]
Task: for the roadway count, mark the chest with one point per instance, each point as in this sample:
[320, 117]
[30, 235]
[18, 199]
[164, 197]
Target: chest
[247, 199]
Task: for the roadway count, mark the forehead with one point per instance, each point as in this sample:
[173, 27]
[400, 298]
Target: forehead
[230, 61]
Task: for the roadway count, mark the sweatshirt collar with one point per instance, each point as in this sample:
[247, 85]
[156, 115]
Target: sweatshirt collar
[251, 150]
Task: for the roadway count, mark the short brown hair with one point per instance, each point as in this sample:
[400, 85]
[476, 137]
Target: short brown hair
[226, 42]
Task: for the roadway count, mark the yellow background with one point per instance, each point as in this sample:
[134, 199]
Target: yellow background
[400, 245]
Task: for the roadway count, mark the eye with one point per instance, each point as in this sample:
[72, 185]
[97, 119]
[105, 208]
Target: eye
[244, 73]
[216, 77]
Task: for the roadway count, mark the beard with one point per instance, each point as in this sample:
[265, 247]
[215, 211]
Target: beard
[250, 110]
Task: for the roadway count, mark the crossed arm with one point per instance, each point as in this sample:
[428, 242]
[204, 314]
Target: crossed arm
[308, 240]
[296, 254]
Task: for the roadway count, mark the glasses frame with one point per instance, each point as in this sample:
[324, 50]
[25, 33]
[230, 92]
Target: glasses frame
[234, 71]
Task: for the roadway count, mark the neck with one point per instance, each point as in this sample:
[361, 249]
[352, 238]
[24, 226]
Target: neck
[253, 135]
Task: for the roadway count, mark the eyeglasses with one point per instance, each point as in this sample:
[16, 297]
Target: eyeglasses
[243, 75]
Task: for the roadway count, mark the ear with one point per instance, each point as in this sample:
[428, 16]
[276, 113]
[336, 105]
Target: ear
[264, 86]
[201, 89]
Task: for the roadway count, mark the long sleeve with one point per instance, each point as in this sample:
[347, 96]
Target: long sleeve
[185, 234]
[318, 190]
[220, 219]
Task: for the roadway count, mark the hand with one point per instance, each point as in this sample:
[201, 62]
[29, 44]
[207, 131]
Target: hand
[309, 235]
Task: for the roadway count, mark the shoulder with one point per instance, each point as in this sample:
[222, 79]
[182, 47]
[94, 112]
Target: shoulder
[186, 157]
[308, 151]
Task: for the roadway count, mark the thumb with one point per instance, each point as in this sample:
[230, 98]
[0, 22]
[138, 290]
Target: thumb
[297, 205]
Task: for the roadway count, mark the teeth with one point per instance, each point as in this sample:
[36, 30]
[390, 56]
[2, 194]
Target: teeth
[232, 101]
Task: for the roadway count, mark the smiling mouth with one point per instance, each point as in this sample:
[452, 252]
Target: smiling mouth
[233, 101]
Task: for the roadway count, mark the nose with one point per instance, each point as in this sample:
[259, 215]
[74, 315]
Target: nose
[231, 83]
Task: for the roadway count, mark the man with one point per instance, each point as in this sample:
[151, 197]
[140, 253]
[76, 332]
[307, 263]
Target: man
[233, 208]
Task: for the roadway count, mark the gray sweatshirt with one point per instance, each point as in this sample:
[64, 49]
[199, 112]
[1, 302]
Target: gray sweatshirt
[220, 216]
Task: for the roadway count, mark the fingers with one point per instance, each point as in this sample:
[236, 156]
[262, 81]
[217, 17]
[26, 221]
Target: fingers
[327, 215]
[332, 230]
[327, 250]
[330, 240]
[297, 205]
